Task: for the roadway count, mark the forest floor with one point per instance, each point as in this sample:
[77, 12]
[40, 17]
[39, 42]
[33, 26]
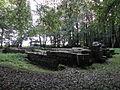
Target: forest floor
[97, 77]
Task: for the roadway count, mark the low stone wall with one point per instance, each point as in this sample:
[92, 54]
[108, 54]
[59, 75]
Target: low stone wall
[52, 59]
[27, 49]
[63, 57]
[18, 50]
[71, 59]
[107, 52]
[98, 57]
[43, 60]
[13, 50]
[100, 54]
[84, 60]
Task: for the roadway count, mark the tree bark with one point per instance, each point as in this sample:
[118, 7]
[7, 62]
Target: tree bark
[2, 34]
[40, 39]
[77, 34]
[113, 34]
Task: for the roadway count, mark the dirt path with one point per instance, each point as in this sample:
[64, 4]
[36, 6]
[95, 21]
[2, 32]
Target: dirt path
[70, 79]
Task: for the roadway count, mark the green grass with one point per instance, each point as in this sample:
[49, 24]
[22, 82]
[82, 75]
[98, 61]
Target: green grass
[117, 50]
[39, 50]
[19, 61]
[112, 65]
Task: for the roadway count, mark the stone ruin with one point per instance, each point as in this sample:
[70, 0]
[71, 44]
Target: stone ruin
[13, 50]
[100, 53]
[43, 60]
[52, 59]
[75, 57]
[17, 50]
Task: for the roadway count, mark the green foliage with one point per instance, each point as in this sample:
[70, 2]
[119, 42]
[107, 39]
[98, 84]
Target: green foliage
[36, 30]
[4, 15]
[17, 13]
[22, 16]
[15, 18]
[73, 20]
[48, 21]
[77, 18]
[106, 21]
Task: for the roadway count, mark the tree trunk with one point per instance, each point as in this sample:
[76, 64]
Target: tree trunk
[40, 39]
[119, 37]
[117, 44]
[113, 34]
[44, 40]
[30, 41]
[54, 41]
[77, 34]
[20, 42]
[51, 40]
[58, 40]
[63, 42]
[70, 40]
[2, 34]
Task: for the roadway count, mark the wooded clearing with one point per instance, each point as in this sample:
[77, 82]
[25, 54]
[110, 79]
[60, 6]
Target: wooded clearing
[65, 45]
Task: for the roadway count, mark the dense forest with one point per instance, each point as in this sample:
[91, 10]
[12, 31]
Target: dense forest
[72, 23]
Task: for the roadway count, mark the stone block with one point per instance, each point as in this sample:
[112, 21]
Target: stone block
[43, 60]
[13, 50]
[84, 60]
